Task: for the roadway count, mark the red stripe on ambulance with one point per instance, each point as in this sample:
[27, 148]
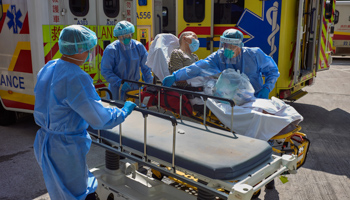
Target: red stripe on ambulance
[16, 104]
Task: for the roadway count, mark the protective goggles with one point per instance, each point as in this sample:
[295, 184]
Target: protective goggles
[231, 43]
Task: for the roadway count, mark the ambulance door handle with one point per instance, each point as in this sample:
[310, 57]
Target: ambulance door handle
[209, 39]
[312, 21]
[160, 23]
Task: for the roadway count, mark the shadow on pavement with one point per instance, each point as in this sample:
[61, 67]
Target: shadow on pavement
[328, 132]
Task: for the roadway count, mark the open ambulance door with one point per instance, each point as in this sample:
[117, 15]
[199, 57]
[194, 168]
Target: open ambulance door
[197, 16]
[326, 32]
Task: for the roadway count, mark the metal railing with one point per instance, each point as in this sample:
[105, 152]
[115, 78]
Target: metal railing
[182, 92]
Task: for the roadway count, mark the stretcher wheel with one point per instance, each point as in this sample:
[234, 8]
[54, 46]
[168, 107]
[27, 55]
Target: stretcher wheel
[157, 175]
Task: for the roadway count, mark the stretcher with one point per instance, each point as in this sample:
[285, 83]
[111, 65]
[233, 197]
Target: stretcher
[288, 141]
[220, 163]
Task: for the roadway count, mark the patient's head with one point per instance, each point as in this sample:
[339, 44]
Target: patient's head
[189, 42]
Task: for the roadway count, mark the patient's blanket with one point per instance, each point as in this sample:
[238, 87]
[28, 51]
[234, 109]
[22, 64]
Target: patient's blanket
[159, 54]
[260, 118]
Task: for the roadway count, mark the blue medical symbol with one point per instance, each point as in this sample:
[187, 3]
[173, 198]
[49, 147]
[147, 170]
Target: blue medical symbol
[14, 16]
[263, 31]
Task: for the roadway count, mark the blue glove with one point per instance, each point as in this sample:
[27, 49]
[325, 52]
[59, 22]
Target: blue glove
[263, 93]
[128, 107]
[169, 80]
[126, 86]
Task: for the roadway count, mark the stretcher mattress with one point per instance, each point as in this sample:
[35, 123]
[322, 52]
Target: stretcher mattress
[211, 152]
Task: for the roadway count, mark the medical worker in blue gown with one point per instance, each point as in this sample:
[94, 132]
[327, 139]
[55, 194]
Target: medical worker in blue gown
[66, 103]
[123, 59]
[231, 54]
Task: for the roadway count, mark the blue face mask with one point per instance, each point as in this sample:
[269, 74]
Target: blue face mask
[194, 46]
[229, 53]
[126, 41]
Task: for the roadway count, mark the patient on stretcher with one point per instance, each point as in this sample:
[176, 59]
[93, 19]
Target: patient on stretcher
[253, 117]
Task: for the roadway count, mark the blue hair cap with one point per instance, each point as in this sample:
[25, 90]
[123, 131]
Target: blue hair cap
[76, 39]
[233, 33]
[123, 28]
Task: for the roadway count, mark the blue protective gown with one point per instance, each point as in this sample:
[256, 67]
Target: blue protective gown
[254, 64]
[119, 62]
[65, 104]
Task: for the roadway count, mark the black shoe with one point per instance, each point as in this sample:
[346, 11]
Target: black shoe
[92, 196]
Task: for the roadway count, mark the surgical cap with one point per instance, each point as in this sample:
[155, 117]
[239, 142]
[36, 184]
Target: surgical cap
[76, 39]
[123, 28]
[233, 33]
[231, 36]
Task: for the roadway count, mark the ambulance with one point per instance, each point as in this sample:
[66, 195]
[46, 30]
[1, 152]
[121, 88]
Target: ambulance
[296, 34]
[342, 29]
[29, 32]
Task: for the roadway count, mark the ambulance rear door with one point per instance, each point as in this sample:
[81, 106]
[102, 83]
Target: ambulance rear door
[197, 16]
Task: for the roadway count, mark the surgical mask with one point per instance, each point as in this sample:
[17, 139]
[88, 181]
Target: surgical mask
[194, 46]
[229, 53]
[126, 41]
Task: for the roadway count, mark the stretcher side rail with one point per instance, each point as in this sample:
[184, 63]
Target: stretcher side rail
[145, 114]
[182, 92]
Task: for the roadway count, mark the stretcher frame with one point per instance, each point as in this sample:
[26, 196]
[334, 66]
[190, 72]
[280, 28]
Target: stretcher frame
[243, 187]
[282, 144]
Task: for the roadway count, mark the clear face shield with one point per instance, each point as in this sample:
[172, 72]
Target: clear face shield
[125, 40]
[231, 50]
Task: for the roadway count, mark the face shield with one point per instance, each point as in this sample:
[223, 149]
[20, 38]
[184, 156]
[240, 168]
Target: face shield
[125, 41]
[231, 50]
[89, 57]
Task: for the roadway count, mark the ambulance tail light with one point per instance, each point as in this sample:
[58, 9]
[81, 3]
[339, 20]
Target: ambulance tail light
[285, 94]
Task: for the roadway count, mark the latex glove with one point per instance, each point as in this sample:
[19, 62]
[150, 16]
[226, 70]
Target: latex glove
[128, 107]
[263, 93]
[126, 86]
[169, 80]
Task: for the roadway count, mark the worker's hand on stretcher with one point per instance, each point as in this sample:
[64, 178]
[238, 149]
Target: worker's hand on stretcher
[125, 87]
[128, 107]
[168, 81]
[263, 93]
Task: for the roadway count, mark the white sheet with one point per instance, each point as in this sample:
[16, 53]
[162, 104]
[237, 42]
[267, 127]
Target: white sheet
[159, 54]
[250, 120]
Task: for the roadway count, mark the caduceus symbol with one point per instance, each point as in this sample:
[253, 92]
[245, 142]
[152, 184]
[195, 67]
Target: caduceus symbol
[271, 16]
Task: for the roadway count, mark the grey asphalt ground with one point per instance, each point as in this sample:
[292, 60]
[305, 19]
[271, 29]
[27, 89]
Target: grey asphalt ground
[324, 176]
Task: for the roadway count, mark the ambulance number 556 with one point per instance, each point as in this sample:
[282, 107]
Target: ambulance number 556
[143, 15]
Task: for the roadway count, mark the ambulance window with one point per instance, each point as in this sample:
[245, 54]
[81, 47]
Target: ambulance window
[79, 7]
[194, 10]
[228, 12]
[111, 8]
